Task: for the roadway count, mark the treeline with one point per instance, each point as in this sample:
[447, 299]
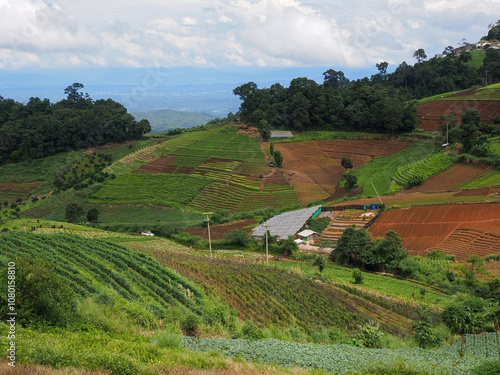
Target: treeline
[334, 104]
[40, 128]
[382, 103]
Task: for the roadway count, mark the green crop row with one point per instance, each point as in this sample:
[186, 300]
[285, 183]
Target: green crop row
[381, 170]
[424, 168]
[90, 265]
[343, 359]
[160, 189]
[487, 179]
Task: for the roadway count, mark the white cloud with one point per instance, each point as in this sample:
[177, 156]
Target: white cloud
[233, 32]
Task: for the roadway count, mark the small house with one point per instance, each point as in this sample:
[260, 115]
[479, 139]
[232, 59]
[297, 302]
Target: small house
[308, 236]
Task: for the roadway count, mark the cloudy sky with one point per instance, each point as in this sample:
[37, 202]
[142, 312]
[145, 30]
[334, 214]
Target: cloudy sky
[233, 33]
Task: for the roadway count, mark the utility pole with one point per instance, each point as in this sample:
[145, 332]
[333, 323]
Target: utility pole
[208, 225]
[376, 193]
[267, 247]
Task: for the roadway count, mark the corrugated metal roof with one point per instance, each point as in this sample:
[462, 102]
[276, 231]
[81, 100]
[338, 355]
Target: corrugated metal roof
[306, 233]
[281, 134]
[286, 224]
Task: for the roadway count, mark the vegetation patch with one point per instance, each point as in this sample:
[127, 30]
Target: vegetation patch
[160, 189]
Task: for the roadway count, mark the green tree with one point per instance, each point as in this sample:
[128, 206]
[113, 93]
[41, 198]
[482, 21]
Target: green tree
[278, 159]
[264, 131]
[346, 163]
[320, 262]
[350, 182]
[74, 212]
[467, 316]
[473, 266]
[357, 275]
[41, 296]
[93, 215]
[352, 246]
[237, 237]
[419, 55]
[388, 251]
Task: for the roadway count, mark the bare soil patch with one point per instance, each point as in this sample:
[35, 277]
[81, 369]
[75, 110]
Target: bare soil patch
[314, 168]
[448, 179]
[159, 165]
[461, 229]
[428, 113]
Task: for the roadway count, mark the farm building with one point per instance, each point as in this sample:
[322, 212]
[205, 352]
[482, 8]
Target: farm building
[308, 236]
[280, 134]
[286, 224]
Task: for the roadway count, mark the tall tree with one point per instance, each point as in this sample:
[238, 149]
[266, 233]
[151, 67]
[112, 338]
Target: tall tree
[419, 55]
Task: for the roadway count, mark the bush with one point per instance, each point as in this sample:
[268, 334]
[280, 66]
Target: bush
[490, 368]
[41, 296]
[171, 341]
[370, 336]
[414, 180]
[251, 332]
[189, 324]
[357, 276]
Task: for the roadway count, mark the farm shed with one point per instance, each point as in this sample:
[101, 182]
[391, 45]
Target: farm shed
[308, 236]
[286, 224]
[280, 134]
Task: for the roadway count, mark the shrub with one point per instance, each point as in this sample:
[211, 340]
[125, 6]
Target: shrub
[490, 367]
[371, 337]
[414, 180]
[189, 324]
[172, 341]
[357, 275]
[251, 332]
[41, 296]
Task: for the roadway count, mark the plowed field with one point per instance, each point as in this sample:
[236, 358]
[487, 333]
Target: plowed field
[446, 180]
[314, 167]
[428, 113]
[461, 229]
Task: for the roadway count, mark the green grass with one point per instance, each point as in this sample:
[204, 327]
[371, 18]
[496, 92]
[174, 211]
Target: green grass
[491, 92]
[439, 96]
[477, 58]
[381, 170]
[313, 135]
[487, 179]
[160, 189]
[495, 145]
[383, 285]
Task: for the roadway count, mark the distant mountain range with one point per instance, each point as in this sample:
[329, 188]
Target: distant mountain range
[166, 119]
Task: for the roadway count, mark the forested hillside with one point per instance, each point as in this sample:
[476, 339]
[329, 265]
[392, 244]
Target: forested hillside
[40, 128]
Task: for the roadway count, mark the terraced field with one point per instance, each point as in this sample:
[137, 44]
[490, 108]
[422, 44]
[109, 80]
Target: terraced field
[485, 100]
[424, 168]
[10, 191]
[461, 230]
[314, 167]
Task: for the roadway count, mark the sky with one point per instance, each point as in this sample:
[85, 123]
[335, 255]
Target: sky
[222, 33]
[40, 36]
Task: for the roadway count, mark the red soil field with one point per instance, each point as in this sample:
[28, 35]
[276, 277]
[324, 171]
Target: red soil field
[428, 113]
[217, 232]
[446, 180]
[458, 229]
[314, 167]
